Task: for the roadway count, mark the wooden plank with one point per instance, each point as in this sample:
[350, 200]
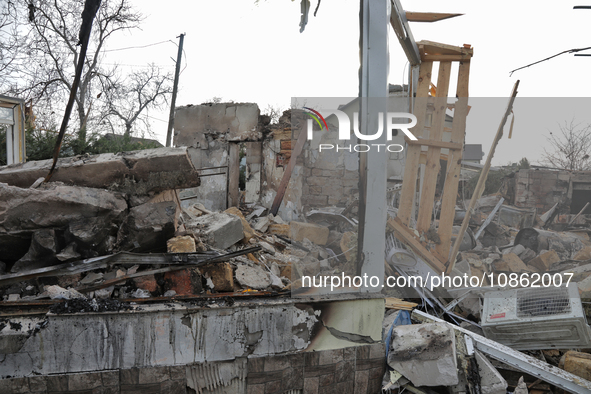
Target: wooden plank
[452, 178]
[397, 303]
[234, 175]
[434, 153]
[435, 144]
[436, 48]
[428, 16]
[481, 181]
[445, 58]
[423, 158]
[288, 170]
[410, 239]
[413, 152]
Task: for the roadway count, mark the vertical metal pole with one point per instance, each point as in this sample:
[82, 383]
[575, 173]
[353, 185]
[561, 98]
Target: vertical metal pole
[174, 90]
[373, 93]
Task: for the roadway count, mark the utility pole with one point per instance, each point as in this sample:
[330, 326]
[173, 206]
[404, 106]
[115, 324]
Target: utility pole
[174, 90]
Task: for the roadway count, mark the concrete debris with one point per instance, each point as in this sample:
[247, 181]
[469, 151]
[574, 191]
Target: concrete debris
[57, 292]
[248, 232]
[141, 293]
[133, 173]
[148, 227]
[424, 354]
[253, 277]
[262, 224]
[220, 230]
[313, 232]
[491, 381]
[91, 278]
[521, 387]
[68, 253]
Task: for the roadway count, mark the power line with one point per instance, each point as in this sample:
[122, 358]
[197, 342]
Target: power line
[548, 58]
[138, 47]
[136, 65]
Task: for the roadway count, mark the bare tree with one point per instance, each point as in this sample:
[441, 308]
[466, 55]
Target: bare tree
[141, 91]
[9, 40]
[49, 31]
[572, 147]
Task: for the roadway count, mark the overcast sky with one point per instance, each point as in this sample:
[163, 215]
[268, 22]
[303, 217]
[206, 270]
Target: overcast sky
[247, 52]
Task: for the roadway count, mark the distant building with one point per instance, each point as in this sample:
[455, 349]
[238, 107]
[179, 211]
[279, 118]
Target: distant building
[472, 153]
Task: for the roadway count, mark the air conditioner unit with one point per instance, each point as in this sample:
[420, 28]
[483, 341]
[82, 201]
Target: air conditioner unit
[536, 318]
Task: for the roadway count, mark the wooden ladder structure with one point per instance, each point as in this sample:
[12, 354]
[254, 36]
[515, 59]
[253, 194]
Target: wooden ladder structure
[438, 256]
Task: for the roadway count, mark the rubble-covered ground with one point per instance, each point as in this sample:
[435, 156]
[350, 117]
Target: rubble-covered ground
[75, 249]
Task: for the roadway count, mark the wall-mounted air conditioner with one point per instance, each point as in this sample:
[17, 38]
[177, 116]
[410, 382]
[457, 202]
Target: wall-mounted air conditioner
[536, 318]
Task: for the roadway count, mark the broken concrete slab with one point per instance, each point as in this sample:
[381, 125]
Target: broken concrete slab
[136, 172]
[253, 277]
[68, 254]
[248, 232]
[58, 292]
[315, 233]
[220, 230]
[491, 381]
[521, 387]
[148, 227]
[425, 354]
[41, 253]
[233, 121]
[52, 205]
[90, 234]
[262, 224]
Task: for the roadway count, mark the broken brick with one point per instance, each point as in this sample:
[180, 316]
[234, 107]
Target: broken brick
[514, 263]
[221, 274]
[315, 233]
[545, 260]
[184, 244]
[184, 282]
[278, 229]
[146, 282]
[578, 364]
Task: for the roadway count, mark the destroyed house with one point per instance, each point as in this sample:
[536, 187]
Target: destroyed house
[193, 268]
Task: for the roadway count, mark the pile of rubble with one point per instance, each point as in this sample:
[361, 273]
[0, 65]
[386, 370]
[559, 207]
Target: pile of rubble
[126, 236]
[527, 335]
[518, 241]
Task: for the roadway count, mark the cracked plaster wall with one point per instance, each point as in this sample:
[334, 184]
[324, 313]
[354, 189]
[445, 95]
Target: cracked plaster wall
[157, 337]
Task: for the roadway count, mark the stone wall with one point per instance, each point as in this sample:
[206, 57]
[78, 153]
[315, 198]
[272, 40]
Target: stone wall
[208, 130]
[319, 179]
[541, 189]
[354, 370]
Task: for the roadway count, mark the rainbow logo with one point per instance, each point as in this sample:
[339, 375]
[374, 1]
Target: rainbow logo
[315, 115]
